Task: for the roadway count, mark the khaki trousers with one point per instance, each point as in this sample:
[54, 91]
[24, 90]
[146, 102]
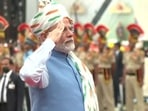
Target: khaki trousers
[133, 90]
[105, 94]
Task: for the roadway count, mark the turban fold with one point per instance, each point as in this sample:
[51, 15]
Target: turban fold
[46, 17]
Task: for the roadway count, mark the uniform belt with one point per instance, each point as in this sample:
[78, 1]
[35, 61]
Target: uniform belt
[131, 74]
[106, 72]
[103, 70]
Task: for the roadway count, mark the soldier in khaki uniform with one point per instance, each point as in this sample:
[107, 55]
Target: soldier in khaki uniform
[78, 34]
[103, 73]
[90, 58]
[133, 71]
[104, 86]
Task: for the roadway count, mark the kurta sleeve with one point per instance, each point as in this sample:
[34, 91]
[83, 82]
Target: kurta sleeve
[34, 71]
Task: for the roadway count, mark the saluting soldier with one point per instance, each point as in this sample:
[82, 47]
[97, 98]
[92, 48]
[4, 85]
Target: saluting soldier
[133, 70]
[103, 76]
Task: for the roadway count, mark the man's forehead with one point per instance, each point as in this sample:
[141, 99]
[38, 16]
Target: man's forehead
[67, 19]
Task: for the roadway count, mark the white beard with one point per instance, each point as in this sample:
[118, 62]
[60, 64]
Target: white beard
[65, 47]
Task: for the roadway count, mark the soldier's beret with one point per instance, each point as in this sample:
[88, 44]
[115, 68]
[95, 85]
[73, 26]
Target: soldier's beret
[23, 26]
[102, 28]
[78, 25]
[135, 27]
[3, 23]
[89, 26]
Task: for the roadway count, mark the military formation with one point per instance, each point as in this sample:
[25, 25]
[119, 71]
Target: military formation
[117, 70]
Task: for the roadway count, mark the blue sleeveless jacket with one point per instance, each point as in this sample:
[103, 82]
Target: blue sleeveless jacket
[64, 92]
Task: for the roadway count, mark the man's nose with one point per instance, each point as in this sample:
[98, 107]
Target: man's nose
[70, 32]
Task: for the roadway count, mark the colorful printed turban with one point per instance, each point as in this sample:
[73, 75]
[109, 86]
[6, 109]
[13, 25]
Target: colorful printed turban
[46, 17]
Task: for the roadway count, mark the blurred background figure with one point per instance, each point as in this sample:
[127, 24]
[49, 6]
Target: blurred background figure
[103, 72]
[118, 74]
[11, 87]
[120, 31]
[78, 34]
[104, 85]
[89, 32]
[3, 26]
[133, 71]
[23, 29]
[102, 31]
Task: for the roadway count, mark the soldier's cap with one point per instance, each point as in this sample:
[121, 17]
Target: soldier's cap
[23, 26]
[89, 26]
[102, 28]
[78, 25]
[3, 23]
[135, 27]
